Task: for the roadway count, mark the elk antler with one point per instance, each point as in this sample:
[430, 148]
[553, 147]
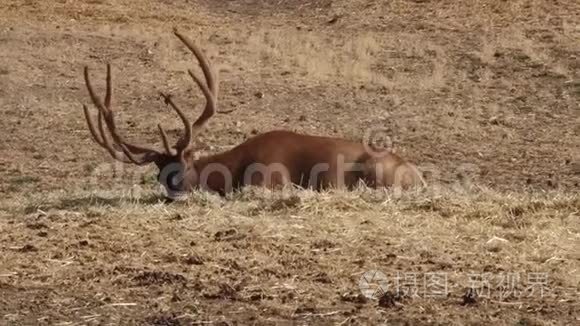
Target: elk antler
[129, 153]
[210, 91]
[119, 148]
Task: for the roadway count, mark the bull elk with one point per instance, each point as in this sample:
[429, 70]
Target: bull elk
[271, 159]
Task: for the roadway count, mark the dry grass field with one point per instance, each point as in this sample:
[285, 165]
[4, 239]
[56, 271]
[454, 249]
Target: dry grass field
[484, 96]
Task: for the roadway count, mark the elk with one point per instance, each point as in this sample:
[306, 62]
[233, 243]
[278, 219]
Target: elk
[271, 159]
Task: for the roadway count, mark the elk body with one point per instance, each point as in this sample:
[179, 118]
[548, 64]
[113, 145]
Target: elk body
[271, 159]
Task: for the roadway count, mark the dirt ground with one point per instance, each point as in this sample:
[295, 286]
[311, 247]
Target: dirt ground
[481, 95]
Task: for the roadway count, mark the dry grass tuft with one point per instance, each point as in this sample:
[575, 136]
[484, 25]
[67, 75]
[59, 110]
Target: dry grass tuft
[277, 251]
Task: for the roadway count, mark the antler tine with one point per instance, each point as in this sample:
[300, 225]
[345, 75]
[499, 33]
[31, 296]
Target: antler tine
[100, 138]
[109, 146]
[165, 140]
[132, 153]
[210, 76]
[209, 90]
[204, 63]
[110, 120]
[96, 100]
[185, 141]
[129, 157]
[96, 137]
[210, 98]
[109, 92]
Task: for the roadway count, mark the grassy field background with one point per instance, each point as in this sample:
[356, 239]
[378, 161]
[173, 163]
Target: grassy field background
[482, 95]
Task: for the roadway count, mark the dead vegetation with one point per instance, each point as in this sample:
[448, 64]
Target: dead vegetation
[482, 95]
[251, 259]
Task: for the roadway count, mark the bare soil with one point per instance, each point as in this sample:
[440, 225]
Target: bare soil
[482, 95]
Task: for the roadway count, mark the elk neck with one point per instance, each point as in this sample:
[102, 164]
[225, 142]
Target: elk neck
[213, 170]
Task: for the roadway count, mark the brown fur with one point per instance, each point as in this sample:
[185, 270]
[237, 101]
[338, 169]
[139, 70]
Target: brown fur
[289, 158]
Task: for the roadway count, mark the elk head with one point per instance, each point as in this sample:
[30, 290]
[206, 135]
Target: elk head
[177, 172]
